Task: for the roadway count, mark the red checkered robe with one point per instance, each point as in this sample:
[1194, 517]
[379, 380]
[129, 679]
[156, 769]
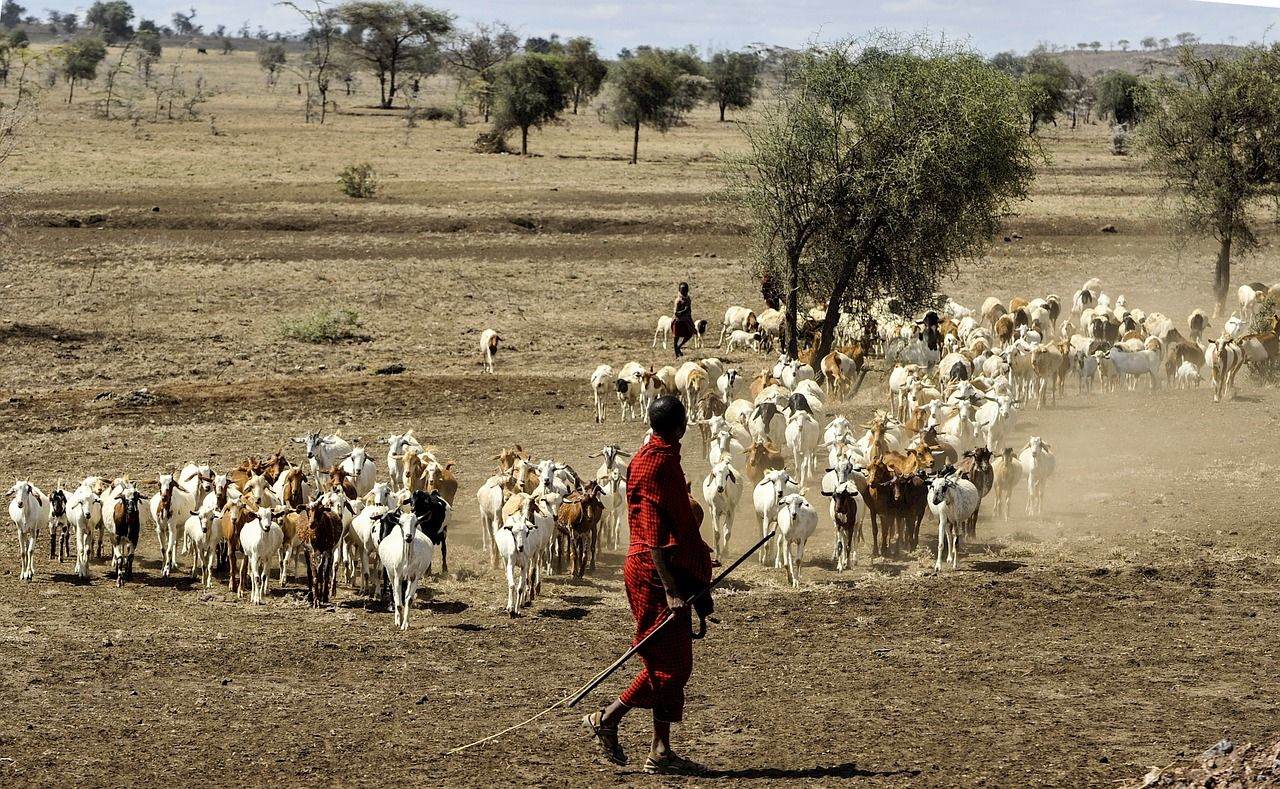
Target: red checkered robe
[659, 516]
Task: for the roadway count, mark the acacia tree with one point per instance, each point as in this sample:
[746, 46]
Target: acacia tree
[1045, 86]
[271, 59]
[1118, 95]
[880, 167]
[529, 91]
[1212, 135]
[316, 68]
[475, 55]
[111, 19]
[646, 91]
[733, 78]
[585, 69]
[80, 59]
[389, 34]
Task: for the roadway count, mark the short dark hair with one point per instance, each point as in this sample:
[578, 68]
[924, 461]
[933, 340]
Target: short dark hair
[667, 415]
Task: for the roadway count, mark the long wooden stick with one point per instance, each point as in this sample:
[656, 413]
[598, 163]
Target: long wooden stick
[577, 696]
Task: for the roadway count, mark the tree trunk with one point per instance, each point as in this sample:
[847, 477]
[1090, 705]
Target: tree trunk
[635, 144]
[382, 86]
[524, 140]
[575, 102]
[72, 93]
[833, 318]
[1222, 274]
[793, 302]
[722, 112]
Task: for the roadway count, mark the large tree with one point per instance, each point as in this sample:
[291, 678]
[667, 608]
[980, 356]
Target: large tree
[880, 167]
[317, 67]
[529, 91]
[1045, 85]
[111, 19]
[475, 54]
[733, 80]
[1212, 134]
[1118, 95]
[389, 35]
[585, 69]
[646, 92]
[80, 59]
[11, 14]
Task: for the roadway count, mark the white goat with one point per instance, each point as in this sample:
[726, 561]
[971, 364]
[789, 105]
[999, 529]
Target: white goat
[261, 539]
[722, 489]
[512, 541]
[1037, 462]
[30, 510]
[953, 502]
[601, 381]
[797, 521]
[406, 554]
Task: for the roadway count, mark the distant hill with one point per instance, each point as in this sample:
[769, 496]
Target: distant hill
[1136, 61]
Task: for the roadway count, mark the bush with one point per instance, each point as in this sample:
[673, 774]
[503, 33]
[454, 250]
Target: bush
[331, 326]
[1120, 141]
[359, 181]
[494, 141]
[436, 114]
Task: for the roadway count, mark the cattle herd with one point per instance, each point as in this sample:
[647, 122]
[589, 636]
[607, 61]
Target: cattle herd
[956, 379]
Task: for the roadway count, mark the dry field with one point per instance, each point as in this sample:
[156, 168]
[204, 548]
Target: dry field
[1131, 624]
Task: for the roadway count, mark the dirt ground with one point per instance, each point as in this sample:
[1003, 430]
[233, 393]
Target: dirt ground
[1131, 626]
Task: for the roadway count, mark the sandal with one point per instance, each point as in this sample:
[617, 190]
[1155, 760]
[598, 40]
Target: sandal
[606, 737]
[671, 764]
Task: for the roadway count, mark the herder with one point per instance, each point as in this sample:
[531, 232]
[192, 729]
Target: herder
[666, 563]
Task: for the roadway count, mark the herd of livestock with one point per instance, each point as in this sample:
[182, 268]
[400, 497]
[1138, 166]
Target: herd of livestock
[956, 378]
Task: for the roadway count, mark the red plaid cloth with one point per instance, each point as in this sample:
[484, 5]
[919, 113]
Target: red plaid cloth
[659, 516]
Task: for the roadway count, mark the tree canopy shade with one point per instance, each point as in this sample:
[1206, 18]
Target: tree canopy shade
[529, 90]
[733, 80]
[1118, 95]
[1212, 134]
[391, 35]
[881, 165]
[646, 91]
[585, 69]
[80, 59]
[111, 19]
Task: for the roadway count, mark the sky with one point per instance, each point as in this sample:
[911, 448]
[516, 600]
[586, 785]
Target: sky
[986, 25]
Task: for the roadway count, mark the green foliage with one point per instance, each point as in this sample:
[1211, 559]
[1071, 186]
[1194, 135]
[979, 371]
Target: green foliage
[271, 58]
[529, 91]
[646, 90]
[1212, 135]
[359, 181]
[80, 58]
[392, 36]
[11, 14]
[733, 80]
[111, 19]
[1118, 96]
[585, 70]
[1044, 88]
[1120, 141]
[880, 167]
[324, 327]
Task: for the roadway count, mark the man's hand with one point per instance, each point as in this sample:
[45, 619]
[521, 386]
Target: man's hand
[675, 603]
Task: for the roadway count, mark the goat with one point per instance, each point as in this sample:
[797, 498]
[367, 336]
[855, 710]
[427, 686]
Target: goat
[261, 539]
[601, 381]
[797, 521]
[489, 340]
[1038, 463]
[954, 501]
[126, 523]
[767, 498]
[203, 536]
[721, 490]
[59, 526]
[323, 451]
[406, 553]
[844, 516]
[579, 516]
[397, 446]
[30, 511]
[511, 539]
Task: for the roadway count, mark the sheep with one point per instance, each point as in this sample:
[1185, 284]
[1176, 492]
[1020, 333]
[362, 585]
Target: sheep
[511, 539]
[261, 539]
[1188, 376]
[802, 435]
[406, 554]
[601, 381]
[738, 319]
[721, 490]
[767, 498]
[30, 511]
[797, 521]
[489, 340]
[203, 536]
[954, 501]
[1037, 462]
[663, 331]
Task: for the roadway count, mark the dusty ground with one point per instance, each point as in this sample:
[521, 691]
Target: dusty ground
[1130, 626]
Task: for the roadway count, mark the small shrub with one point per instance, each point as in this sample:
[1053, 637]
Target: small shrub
[494, 141]
[324, 326]
[436, 114]
[359, 181]
[1120, 141]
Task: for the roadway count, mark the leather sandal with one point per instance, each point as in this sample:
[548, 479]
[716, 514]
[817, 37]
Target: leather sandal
[671, 764]
[606, 737]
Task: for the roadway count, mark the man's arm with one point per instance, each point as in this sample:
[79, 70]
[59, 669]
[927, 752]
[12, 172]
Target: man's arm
[674, 601]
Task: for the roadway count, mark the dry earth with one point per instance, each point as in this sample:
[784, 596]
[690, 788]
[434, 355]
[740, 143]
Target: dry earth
[1130, 626]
